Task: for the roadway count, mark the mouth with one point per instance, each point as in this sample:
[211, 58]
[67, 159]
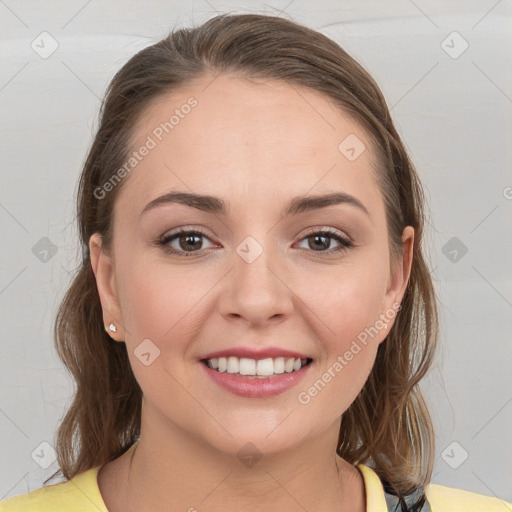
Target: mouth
[256, 368]
[256, 378]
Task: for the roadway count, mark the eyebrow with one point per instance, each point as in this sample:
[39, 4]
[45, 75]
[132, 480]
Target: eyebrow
[212, 204]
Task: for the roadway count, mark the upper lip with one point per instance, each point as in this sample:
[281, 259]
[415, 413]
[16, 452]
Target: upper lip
[250, 353]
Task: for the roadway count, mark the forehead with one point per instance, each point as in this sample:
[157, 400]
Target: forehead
[249, 141]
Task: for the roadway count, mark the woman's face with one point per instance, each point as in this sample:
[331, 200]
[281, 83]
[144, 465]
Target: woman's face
[258, 277]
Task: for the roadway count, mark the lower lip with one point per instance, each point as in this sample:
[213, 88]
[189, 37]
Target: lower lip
[254, 387]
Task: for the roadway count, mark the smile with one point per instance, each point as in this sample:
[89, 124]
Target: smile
[256, 378]
[256, 367]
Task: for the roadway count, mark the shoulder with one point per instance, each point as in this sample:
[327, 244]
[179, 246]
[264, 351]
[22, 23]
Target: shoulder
[80, 494]
[450, 499]
[439, 497]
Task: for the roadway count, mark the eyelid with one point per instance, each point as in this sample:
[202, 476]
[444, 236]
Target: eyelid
[344, 241]
[330, 230]
[310, 230]
[185, 229]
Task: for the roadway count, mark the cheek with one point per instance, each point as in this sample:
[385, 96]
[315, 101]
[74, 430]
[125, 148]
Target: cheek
[158, 305]
[346, 300]
[348, 347]
[165, 305]
[346, 306]
[161, 308]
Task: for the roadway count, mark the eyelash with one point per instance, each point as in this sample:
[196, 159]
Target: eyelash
[345, 243]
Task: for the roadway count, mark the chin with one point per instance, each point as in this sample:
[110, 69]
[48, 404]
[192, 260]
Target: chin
[256, 440]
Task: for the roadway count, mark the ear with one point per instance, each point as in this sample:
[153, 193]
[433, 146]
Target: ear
[103, 268]
[399, 277]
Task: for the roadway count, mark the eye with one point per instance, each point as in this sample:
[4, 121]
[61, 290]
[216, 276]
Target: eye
[319, 240]
[188, 241]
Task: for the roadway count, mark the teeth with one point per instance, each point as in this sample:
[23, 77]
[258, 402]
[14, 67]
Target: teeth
[233, 365]
[265, 367]
[260, 367]
[279, 365]
[247, 366]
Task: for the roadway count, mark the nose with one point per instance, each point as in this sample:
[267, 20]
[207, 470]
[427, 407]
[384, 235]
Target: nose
[256, 290]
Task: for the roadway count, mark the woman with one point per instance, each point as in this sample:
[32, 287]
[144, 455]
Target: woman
[253, 313]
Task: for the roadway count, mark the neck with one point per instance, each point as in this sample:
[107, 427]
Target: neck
[173, 470]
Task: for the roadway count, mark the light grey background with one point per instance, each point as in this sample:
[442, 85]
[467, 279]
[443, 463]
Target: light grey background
[452, 109]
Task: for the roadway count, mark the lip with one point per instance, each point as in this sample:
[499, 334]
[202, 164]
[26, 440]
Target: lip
[254, 387]
[249, 353]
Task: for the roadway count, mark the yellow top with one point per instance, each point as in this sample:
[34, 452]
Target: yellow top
[82, 494]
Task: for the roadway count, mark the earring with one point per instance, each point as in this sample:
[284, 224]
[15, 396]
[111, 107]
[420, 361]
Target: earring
[111, 328]
[385, 326]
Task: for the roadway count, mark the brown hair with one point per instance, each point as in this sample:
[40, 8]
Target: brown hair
[388, 424]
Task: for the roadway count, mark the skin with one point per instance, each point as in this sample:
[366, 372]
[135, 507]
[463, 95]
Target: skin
[256, 144]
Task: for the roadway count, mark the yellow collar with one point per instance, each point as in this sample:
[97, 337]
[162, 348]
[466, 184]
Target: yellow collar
[375, 500]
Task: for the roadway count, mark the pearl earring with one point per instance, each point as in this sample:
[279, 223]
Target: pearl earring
[112, 328]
